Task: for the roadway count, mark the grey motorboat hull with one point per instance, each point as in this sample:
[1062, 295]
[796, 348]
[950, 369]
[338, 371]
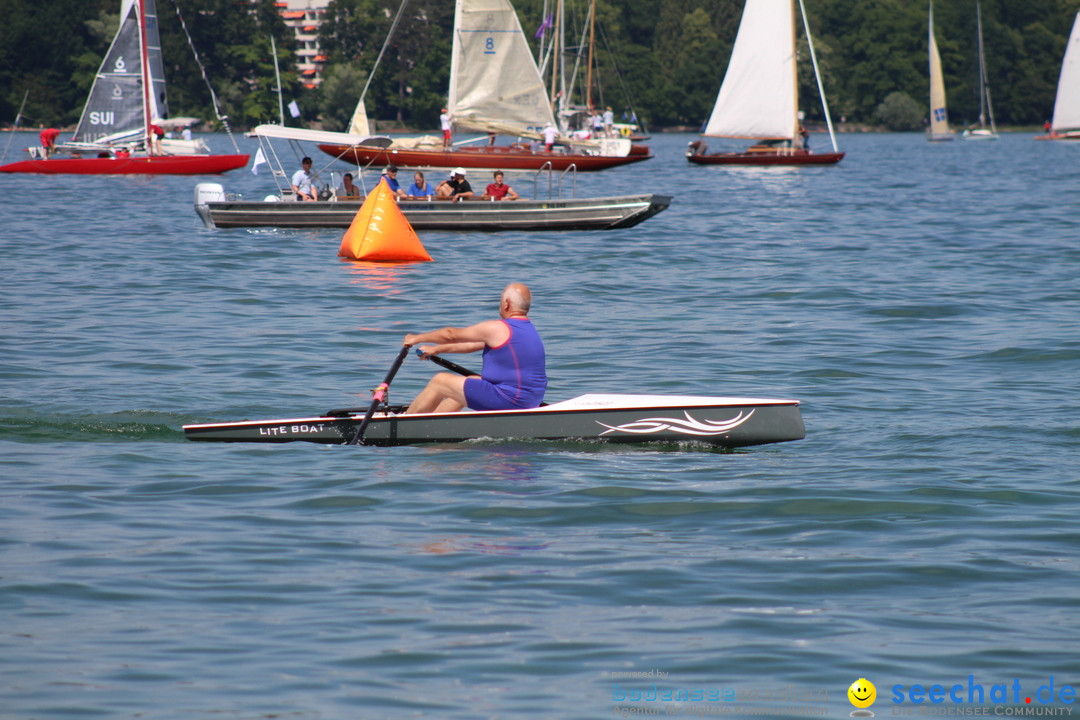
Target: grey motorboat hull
[559, 214]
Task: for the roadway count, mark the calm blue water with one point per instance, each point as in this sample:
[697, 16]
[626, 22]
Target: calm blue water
[922, 301]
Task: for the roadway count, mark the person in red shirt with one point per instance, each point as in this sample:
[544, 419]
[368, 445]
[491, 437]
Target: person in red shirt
[499, 190]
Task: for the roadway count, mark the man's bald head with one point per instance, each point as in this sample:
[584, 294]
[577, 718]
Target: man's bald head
[518, 297]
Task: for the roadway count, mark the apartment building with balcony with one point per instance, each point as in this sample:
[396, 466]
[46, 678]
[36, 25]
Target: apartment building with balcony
[304, 18]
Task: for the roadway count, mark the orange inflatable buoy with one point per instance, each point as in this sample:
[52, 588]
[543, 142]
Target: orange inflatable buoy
[380, 232]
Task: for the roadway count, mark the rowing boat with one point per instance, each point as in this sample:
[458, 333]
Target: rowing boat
[727, 422]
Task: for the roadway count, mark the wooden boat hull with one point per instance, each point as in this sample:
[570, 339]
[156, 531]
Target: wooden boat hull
[797, 157]
[500, 157]
[716, 421]
[141, 165]
[571, 214]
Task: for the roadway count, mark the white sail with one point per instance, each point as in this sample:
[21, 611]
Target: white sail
[116, 103]
[495, 85]
[759, 96]
[939, 118]
[359, 124]
[1067, 103]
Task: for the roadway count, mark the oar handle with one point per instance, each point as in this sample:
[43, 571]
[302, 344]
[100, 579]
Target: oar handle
[379, 395]
[453, 366]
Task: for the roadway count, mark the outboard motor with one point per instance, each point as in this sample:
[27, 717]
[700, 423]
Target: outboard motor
[207, 193]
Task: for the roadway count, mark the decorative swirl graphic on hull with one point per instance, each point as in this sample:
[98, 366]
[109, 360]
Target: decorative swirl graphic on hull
[689, 426]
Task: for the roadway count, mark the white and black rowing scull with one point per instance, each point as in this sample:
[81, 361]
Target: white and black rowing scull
[719, 421]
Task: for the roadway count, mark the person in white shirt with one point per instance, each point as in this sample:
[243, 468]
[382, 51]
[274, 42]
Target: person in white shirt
[303, 182]
[550, 134]
[445, 122]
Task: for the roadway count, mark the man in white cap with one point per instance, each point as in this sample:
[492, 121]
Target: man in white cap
[456, 188]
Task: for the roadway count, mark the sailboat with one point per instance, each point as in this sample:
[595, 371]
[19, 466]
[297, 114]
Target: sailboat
[1066, 122]
[116, 133]
[986, 110]
[939, 119]
[759, 98]
[495, 88]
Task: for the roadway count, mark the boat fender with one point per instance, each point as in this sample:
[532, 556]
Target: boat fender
[271, 198]
[209, 192]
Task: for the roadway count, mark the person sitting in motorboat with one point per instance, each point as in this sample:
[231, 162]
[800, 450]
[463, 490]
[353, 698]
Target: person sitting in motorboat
[348, 189]
[456, 188]
[420, 187]
[499, 190]
[513, 374]
[390, 176]
[303, 182]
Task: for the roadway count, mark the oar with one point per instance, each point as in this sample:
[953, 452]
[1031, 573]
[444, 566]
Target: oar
[379, 395]
[446, 364]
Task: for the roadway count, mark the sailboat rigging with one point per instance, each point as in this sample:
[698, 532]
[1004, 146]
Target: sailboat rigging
[117, 132]
[986, 110]
[759, 98]
[495, 88]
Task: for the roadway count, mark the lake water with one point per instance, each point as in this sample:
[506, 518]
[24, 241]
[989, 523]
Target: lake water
[922, 301]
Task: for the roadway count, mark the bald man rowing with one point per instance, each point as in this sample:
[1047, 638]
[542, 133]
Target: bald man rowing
[513, 374]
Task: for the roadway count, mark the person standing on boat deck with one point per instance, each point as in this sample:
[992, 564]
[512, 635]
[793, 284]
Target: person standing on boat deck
[185, 134]
[499, 190]
[456, 188]
[609, 121]
[303, 182]
[513, 373]
[804, 138]
[348, 189]
[445, 123]
[420, 187]
[550, 134]
[390, 176]
[156, 133]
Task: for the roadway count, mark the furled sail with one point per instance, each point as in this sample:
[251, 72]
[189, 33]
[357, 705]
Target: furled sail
[759, 97]
[495, 85]
[115, 104]
[1067, 103]
[939, 118]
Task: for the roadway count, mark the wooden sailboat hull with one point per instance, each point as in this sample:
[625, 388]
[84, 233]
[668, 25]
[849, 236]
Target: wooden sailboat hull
[787, 157]
[145, 165]
[499, 157]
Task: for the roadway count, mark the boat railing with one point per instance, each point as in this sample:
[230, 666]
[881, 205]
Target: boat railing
[554, 190]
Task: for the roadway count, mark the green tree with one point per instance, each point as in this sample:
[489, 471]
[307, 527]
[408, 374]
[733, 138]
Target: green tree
[899, 112]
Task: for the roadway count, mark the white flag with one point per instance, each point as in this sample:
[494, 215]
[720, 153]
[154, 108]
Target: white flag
[260, 158]
[294, 109]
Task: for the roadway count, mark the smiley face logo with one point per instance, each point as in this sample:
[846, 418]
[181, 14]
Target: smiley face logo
[862, 693]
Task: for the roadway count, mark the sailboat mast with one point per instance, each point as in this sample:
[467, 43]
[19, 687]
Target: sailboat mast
[592, 42]
[144, 66]
[795, 75]
[557, 87]
[277, 75]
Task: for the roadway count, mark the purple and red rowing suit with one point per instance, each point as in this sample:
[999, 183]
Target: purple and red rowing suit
[513, 373]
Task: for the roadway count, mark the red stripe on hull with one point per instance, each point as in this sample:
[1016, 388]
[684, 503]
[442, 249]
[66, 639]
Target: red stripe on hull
[155, 165]
[499, 157]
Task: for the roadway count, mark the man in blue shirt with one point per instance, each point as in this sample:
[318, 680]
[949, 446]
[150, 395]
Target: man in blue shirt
[513, 373]
[390, 176]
